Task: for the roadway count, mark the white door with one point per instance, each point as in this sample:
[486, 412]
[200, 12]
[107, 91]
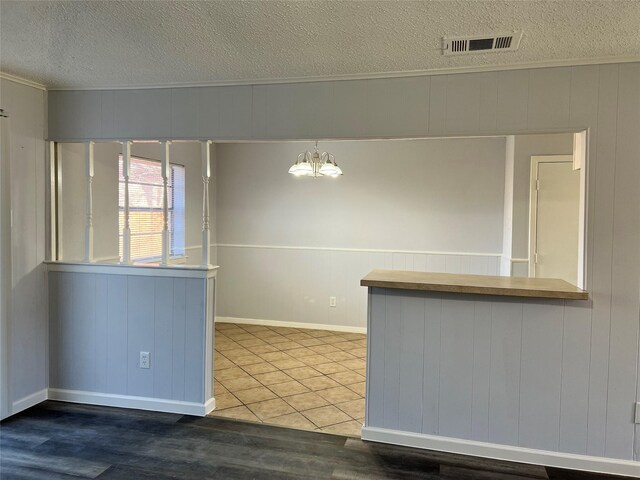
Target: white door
[555, 213]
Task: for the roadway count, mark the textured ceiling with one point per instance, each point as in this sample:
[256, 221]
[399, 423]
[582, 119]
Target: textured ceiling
[91, 44]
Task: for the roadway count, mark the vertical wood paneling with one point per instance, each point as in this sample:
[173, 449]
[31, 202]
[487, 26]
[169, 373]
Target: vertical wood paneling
[488, 115]
[142, 113]
[140, 293]
[234, 119]
[208, 111]
[541, 370]
[100, 332]
[431, 366]
[456, 367]
[551, 89]
[185, 108]
[83, 120]
[504, 384]
[625, 317]
[349, 109]
[412, 328]
[513, 100]
[603, 166]
[376, 362]
[392, 336]
[194, 339]
[55, 312]
[463, 103]
[438, 104]
[481, 369]
[117, 353]
[178, 338]
[162, 342]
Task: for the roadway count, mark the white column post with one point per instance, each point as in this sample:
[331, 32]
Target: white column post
[88, 231]
[166, 171]
[126, 231]
[206, 175]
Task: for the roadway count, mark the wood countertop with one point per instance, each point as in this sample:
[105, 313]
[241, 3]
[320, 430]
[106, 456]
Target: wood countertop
[476, 284]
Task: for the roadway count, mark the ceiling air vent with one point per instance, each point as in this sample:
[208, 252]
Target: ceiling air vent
[481, 43]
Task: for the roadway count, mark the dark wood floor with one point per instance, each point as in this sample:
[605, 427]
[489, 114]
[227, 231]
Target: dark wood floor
[61, 441]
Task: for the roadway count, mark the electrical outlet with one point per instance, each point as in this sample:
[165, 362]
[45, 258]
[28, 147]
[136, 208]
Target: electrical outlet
[145, 360]
[333, 302]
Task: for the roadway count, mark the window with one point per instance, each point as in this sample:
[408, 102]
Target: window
[145, 209]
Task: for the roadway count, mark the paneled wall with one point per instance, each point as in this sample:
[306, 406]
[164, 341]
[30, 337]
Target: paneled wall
[599, 383]
[27, 320]
[99, 324]
[294, 284]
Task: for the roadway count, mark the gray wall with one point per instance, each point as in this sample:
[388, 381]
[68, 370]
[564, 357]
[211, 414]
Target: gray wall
[28, 353]
[105, 196]
[600, 347]
[101, 322]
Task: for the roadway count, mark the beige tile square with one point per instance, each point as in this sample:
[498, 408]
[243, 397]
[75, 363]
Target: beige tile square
[359, 388]
[288, 388]
[300, 352]
[338, 394]
[240, 336]
[248, 360]
[302, 372]
[339, 356]
[331, 367]
[318, 333]
[355, 363]
[236, 384]
[255, 328]
[298, 336]
[276, 339]
[222, 363]
[347, 377]
[272, 378]
[309, 342]
[353, 408]
[226, 400]
[236, 353]
[306, 401]
[325, 416]
[228, 373]
[260, 349]
[273, 356]
[239, 413]
[351, 428]
[263, 367]
[286, 364]
[251, 342]
[313, 360]
[253, 395]
[361, 371]
[225, 326]
[345, 346]
[219, 388]
[324, 349]
[319, 383]
[289, 345]
[271, 408]
[292, 420]
[359, 352]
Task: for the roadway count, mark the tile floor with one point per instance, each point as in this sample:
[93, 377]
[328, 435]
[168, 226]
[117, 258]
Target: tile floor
[308, 379]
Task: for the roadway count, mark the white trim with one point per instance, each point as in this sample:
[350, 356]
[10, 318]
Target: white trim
[367, 76]
[28, 401]
[174, 271]
[519, 260]
[503, 452]
[278, 323]
[366, 250]
[129, 401]
[22, 81]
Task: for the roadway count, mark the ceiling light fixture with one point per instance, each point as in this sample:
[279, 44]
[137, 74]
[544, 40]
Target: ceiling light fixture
[315, 164]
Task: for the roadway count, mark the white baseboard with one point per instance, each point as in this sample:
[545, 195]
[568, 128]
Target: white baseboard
[503, 452]
[28, 401]
[129, 401]
[278, 323]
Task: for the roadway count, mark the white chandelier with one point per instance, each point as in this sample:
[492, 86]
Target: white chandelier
[315, 165]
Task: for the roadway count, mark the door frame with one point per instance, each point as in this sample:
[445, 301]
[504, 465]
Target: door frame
[6, 406]
[536, 160]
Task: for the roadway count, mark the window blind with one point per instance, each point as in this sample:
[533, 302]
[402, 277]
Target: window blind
[146, 212]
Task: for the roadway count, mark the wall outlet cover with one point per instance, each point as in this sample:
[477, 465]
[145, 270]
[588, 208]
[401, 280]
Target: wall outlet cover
[145, 360]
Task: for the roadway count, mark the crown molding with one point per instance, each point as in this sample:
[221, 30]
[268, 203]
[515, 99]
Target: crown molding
[22, 81]
[368, 76]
